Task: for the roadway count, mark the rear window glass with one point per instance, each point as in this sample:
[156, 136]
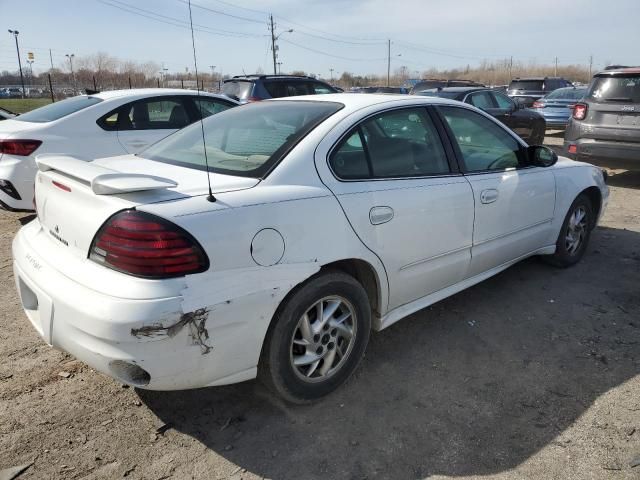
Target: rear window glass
[616, 89]
[567, 94]
[245, 141]
[236, 89]
[526, 85]
[58, 110]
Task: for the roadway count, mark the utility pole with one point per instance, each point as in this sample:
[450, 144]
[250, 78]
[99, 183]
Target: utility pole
[388, 61]
[510, 69]
[213, 69]
[51, 59]
[15, 35]
[555, 70]
[279, 68]
[590, 66]
[331, 70]
[274, 38]
[273, 43]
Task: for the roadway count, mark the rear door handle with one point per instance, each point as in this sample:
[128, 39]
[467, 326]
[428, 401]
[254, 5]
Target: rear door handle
[380, 215]
[489, 196]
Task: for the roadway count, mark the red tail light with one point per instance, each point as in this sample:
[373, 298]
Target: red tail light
[573, 148]
[537, 104]
[253, 99]
[22, 148]
[147, 246]
[579, 111]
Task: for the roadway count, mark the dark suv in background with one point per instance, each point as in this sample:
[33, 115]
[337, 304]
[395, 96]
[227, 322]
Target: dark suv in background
[527, 90]
[251, 88]
[606, 123]
[430, 83]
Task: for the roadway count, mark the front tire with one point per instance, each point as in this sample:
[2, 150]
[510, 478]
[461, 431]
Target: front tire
[575, 233]
[317, 338]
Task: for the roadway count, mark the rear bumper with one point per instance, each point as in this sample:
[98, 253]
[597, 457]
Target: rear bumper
[20, 172]
[587, 150]
[213, 345]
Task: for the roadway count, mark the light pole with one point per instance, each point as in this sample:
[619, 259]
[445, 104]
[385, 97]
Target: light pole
[279, 68]
[331, 70]
[213, 69]
[73, 77]
[15, 35]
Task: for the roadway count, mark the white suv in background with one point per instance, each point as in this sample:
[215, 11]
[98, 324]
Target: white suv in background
[93, 126]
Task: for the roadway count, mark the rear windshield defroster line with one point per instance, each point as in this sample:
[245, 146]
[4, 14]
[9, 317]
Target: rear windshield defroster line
[246, 141]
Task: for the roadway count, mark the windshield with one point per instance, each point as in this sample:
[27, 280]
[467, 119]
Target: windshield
[245, 141]
[237, 90]
[616, 89]
[526, 85]
[58, 110]
[567, 94]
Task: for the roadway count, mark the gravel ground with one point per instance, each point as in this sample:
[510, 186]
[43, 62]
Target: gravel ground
[532, 374]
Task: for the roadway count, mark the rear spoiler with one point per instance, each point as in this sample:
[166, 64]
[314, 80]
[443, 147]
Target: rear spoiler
[103, 180]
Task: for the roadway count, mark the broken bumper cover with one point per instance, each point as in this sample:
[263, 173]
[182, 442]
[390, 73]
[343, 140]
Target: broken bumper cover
[212, 345]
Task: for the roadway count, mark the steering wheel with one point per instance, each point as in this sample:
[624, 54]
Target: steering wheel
[504, 161]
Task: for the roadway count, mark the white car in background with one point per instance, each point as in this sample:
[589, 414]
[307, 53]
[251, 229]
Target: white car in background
[331, 215]
[93, 126]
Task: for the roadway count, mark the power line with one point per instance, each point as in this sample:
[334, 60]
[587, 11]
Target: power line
[175, 22]
[182, 21]
[238, 17]
[331, 55]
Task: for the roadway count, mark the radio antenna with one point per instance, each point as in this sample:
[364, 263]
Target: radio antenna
[210, 197]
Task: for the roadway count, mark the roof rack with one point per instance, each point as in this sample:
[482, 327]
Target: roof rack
[262, 76]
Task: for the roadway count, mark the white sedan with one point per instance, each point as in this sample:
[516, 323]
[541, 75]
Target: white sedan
[93, 126]
[329, 216]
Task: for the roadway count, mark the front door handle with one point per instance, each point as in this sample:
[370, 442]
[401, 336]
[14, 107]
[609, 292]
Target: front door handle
[489, 196]
[380, 215]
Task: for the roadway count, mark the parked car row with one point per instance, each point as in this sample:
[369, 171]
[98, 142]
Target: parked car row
[93, 126]
[270, 239]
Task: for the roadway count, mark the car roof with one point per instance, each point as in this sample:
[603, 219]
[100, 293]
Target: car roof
[251, 77]
[152, 92]
[356, 101]
[618, 71]
[458, 89]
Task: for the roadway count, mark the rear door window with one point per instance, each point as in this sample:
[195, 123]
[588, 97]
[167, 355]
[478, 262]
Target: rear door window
[154, 114]
[400, 143]
[321, 88]
[503, 101]
[277, 89]
[295, 89]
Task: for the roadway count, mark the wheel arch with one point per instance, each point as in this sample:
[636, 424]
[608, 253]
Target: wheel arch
[595, 197]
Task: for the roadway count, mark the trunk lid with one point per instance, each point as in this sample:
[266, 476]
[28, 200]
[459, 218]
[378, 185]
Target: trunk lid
[613, 121]
[74, 197]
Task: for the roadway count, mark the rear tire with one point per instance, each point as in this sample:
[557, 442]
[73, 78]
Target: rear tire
[317, 338]
[574, 235]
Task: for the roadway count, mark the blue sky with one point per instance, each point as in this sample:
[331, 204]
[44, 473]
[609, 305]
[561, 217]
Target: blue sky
[339, 34]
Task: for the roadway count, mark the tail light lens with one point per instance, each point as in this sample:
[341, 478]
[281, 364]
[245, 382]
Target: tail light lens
[537, 104]
[147, 246]
[579, 111]
[22, 148]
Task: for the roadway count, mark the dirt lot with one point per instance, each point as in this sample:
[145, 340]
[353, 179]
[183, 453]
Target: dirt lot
[532, 374]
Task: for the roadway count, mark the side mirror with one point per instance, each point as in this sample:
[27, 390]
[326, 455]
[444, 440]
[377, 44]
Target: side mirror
[541, 156]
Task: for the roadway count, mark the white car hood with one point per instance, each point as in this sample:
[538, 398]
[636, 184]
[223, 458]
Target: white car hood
[190, 181]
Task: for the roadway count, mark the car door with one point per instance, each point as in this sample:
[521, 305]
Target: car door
[514, 202]
[146, 121]
[509, 114]
[393, 179]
